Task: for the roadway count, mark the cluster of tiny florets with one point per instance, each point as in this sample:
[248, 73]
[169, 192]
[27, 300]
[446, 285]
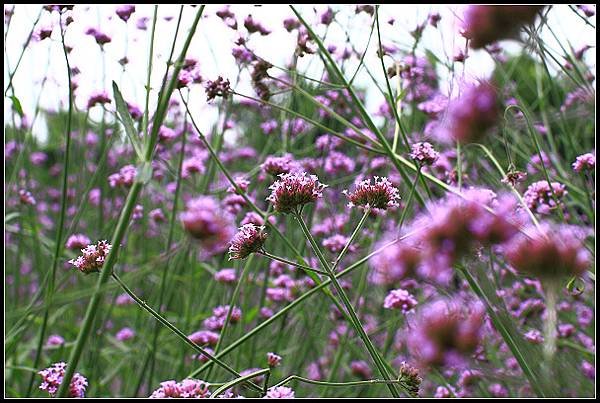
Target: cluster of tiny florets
[381, 194]
[92, 258]
[249, 239]
[294, 190]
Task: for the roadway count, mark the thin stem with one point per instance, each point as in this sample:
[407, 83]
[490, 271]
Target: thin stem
[337, 384]
[123, 223]
[174, 329]
[289, 262]
[239, 380]
[354, 318]
[61, 219]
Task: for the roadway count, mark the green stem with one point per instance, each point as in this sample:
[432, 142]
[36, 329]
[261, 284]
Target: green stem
[173, 328]
[354, 318]
[123, 222]
[289, 262]
[239, 380]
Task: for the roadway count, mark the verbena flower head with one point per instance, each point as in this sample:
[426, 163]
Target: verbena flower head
[276, 166]
[444, 330]
[217, 88]
[540, 195]
[125, 11]
[55, 340]
[249, 239]
[205, 220]
[280, 392]
[53, 376]
[423, 153]
[125, 334]
[273, 359]
[400, 299]
[411, 378]
[486, 24]
[293, 190]
[549, 252]
[125, 177]
[92, 258]
[188, 388]
[380, 195]
[471, 115]
[77, 241]
[585, 162]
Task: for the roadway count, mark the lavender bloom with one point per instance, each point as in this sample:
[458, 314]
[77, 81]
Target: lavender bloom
[585, 162]
[77, 241]
[188, 388]
[53, 376]
[400, 299]
[534, 337]
[444, 329]
[588, 370]
[207, 222]
[361, 369]
[26, 198]
[125, 334]
[125, 11]
[486, 24]
[394, 263]
[93, 257]
[125, 177]
[249, 239]
[55, 340]
[204, 337]
[280, 392]
[226, 276]
[273, 360]
[293, 190]
[423, 153]
[380, 195]
[280, 165]
[539, 196]
[100, 37]
[552, 251]
[99, 97]
[470, 116]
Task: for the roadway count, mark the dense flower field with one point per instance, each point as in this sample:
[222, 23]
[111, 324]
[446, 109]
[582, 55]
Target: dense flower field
[343, 214]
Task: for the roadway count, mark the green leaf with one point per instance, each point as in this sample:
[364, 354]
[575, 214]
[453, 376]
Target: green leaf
[17, 105]
[125, 118]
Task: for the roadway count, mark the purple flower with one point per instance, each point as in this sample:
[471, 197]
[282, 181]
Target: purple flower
[294, 190]
[125, 334]
[273, 359]
[361, 369]
[204, 337]
[100, 37]
[539, 196]
[534, 336]
[93, 257]
[424, 153]
[53, 376]
[205, 220]
[77, 241]
[380, 195]
[226, 276]
[445, 329]
[125, 11]
[551, 251]
[486, 24]
[280, 165]
[55, 340]
[249, 239]
[280, 392]
[99, 97]
[400, 299]
[124, 177]
[585, 162]
[471, 115]
[188, 388]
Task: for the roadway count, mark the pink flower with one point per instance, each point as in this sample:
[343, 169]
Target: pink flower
[585, 162]
[125, 334]
[294, 190]
[273, 359]
[400, 299]
[77, 241]
[188, 388]
[280, 392]
[125, 11]
[53, 376]
[93, 257]
[380, 195]
[249, 239]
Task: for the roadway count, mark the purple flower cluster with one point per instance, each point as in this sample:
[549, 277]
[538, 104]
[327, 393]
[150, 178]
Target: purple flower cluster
[52, 378]
[92, 258]
[400, 299]
[249, 239]
[207, 222]
[540, 196]
[379, 195]
[294, 190]
[188, 388]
